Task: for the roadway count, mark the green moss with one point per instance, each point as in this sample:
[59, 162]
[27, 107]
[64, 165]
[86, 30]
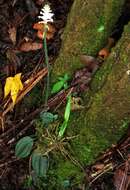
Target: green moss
[109, 108]
[101, 76]
[82, 34]
[66, 167]
[106, 115]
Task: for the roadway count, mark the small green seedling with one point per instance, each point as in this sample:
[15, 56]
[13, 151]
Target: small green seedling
[62, 83]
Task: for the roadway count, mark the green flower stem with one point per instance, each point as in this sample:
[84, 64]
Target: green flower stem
[47, 65]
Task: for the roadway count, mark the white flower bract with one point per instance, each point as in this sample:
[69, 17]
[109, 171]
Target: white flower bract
[46, 14]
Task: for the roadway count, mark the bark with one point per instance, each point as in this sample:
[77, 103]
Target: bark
[107, 105]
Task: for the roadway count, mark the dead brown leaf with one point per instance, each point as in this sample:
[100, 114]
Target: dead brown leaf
[30, 46]
[39, 2]
[104, 52]
[122, 177]
[12, 34]
[40, 35]
[41, 26]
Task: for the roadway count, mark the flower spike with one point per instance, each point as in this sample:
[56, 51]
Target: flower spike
[46, 14]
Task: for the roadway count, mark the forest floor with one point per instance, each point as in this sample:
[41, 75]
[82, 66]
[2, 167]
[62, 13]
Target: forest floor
[22, 52]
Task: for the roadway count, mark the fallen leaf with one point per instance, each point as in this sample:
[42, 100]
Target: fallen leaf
[98, 166]
[122, 177]
[104, 53]
[14, 61]
[90, 62]
[41, 26]
[30, 46]
[17, 79]
[39, 2]
[118, 179]
[12, 34]
[106, 50]
[76, 103]
[28, 85]
[40, 35]
[7, 87]
[13, 85]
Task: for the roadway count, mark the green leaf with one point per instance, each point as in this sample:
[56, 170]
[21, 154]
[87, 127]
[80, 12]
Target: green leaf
[61, 78]
[65, 85]
[48, 117]
[66, 183]
[67, 109]
[57, 86]
[66, 77]
[39, 164]
[60, 84]
[62, 129]
[24, 147]
[66, 118]
[101, 28]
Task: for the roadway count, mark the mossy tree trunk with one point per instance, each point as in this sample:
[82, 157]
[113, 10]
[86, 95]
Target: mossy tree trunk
[90, 22]
[107, 104]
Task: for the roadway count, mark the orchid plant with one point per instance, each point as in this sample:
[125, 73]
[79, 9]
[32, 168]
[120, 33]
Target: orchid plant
[24, 147]
[46, 17]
